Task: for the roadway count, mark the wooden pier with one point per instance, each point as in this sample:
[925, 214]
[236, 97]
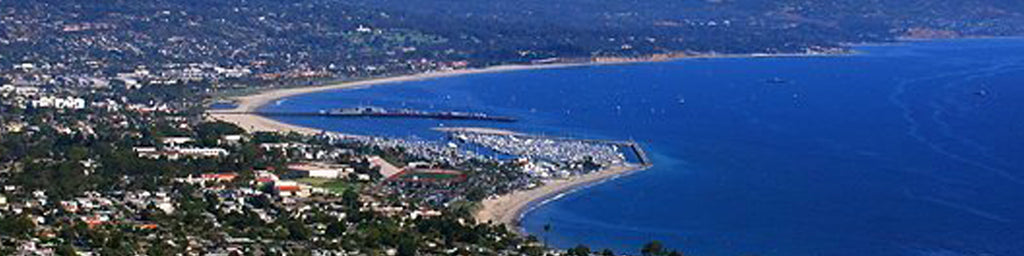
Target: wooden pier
[419, 115]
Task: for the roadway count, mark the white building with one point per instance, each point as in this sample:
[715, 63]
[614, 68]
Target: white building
[201, 152]
[175, 141]
[322, 170]
[178, 153]
[231, 139]
[59, 103]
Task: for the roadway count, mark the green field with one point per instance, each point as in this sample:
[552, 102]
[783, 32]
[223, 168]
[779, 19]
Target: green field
[333, 185]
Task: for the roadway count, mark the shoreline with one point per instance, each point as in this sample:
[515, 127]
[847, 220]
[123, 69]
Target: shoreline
[506, 209]
[253, 102]
[509, 209]
[257, 123]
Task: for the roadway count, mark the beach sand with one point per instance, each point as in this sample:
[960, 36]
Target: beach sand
[508, 209]
[257, 123]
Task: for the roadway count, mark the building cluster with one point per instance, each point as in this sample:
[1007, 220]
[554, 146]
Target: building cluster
[132, 47]
[224, 196]
[33, 97]
[92, 209]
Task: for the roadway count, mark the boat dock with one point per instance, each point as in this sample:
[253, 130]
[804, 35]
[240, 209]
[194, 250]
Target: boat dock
[632, 146]
[629, 146]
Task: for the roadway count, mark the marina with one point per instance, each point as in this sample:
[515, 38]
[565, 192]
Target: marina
[561, 148]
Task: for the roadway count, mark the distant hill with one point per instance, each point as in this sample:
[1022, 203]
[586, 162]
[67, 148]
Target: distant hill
[341, 36]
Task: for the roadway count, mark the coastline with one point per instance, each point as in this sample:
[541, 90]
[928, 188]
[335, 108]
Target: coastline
[257, 123]
[509, 209]
[506, 209]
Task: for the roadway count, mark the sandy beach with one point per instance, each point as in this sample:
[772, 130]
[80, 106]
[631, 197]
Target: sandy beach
[256, 123]
[508, 209]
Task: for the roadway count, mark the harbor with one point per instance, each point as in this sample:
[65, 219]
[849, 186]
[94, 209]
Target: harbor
[562, 149]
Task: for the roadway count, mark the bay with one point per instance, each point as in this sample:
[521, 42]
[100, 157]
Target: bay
[905, 149]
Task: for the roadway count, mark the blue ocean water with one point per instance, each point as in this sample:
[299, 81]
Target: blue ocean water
[907, 149]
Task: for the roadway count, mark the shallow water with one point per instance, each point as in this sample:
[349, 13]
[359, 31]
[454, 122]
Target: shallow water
[911, 149]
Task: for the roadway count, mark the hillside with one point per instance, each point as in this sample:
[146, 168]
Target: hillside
[332, 38]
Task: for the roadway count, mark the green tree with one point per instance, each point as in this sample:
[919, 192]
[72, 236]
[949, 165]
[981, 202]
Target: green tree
[78, 153]
[476, 194]
[654, 248]
[350, 199]
[17, 226]
[66, 250]
[407, 246]
[579, 250]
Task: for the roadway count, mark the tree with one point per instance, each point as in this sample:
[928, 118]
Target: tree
[335, 229]
[350, 199]
[16, 226]
[607, 252]
[407, 246]
[77, 153]
[297, 231]
[579, 250]
[476, 194]
[533, 250]
[66, 250]
[654, 248]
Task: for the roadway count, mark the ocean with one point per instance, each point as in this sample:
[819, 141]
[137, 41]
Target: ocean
[905, 149]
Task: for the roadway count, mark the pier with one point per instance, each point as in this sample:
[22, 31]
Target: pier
[383, 114]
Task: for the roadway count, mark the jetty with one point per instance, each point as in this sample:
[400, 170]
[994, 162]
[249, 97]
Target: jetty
[383, 113]
[641, 156]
